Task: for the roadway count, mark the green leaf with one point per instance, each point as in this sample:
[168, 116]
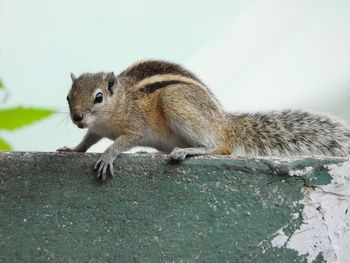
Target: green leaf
[1, 85]
[4, 146]
[11, 119]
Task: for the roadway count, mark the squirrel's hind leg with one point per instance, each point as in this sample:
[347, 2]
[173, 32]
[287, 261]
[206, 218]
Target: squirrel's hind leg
[179, 154]
[192, 140]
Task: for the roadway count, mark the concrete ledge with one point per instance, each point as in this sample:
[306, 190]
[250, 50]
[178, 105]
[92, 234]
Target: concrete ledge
[208, 209]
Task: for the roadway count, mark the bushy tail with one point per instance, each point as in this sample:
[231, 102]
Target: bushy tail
[288, 133]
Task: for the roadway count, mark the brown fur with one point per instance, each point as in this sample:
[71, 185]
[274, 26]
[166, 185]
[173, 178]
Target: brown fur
[152, 107]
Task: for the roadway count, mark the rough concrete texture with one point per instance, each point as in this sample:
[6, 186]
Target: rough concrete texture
[208, 209]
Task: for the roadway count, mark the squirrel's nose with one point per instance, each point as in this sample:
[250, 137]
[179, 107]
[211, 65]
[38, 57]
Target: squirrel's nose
[77, 115]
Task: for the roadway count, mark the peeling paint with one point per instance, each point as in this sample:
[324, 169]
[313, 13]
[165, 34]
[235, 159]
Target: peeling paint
[326, 219]
[302, 172]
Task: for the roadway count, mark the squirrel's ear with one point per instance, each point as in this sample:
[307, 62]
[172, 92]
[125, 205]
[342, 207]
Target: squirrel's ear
[112, 80]
[73, 77]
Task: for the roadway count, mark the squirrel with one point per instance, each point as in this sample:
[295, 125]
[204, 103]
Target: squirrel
[162, 105]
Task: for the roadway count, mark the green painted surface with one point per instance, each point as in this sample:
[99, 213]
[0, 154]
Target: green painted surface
[203, 210]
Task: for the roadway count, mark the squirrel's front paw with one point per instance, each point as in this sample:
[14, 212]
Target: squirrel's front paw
[65, 149]
[104, 164]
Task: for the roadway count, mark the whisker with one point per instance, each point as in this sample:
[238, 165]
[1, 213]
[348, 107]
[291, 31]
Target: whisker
[63, 121]
[66, 121]
[59, 108]
[62, 112]
[64, 115]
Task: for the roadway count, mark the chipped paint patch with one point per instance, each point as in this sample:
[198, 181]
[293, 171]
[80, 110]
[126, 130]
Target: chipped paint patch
[302, 172]
[326, 219]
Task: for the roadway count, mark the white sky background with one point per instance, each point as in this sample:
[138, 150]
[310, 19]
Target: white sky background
[255, 55]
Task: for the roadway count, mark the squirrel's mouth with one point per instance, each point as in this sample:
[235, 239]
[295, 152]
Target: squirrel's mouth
[80, 125]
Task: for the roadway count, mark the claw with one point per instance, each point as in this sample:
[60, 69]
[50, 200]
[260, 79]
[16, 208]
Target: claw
[99, 172]
[111, 169]
[104, 172]
[97, 164]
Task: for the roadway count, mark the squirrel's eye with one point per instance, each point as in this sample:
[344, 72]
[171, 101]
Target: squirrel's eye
[98, 98]
[67, 98]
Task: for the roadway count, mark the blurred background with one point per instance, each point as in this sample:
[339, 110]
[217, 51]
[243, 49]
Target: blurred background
[254, 55]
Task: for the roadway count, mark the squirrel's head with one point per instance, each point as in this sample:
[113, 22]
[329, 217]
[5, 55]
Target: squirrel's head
[89, 98]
